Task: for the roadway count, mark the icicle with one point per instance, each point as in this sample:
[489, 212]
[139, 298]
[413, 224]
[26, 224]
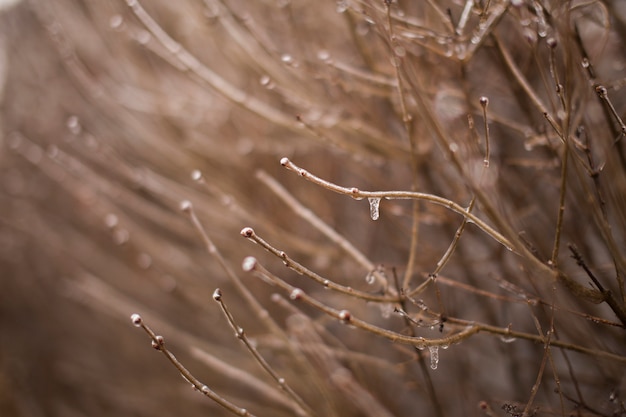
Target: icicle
[374, 205]
[434, 356]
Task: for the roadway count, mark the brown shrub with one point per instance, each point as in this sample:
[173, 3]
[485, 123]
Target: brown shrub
[113, 114]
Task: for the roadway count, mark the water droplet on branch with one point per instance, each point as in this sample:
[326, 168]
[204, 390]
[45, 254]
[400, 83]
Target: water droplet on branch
[342, 6]
[507, 339]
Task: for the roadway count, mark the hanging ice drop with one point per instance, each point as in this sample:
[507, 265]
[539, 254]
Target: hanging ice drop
[374, 205]
[434, 356]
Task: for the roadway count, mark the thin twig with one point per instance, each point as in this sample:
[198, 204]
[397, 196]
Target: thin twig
[251, 300]
[616, 306]
[392, 195]
[457, 236]
[430, 386]
[484, 102]
[407, 121]
[250, 264]
[250, 234]
[305, 213]
[469, 328]
[604, 95]
[561, 209]
[158, 342]
[299, 406]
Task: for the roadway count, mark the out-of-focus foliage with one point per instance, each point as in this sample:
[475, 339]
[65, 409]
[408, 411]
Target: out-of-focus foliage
[110, 109]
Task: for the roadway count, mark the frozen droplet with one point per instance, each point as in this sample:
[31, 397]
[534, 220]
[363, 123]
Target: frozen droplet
[116, 21]
[249, 263]
[453, 147]
[374, 207]
[185, 206]
[296, 294]
[542, 26]
[196, 175]
[73, 124]
[265, 80]
[507, 339]
[344, 315]
[111, 220]
[136, 319]
[370, 278]
[585, 63]
[434, 356]
[287, 59]
[421, 345]
[342, 6]
[323, 55]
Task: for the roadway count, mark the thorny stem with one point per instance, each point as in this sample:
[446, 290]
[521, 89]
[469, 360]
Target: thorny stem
[392, 195]
[159, 344]
[470, 328]
[300, 407]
